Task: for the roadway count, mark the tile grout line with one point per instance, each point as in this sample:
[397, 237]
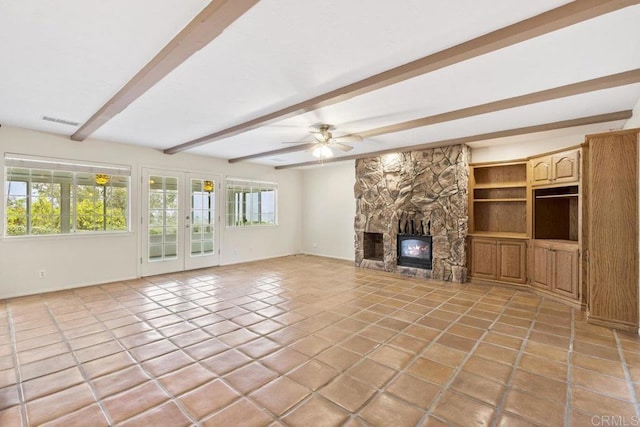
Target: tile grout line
[457, 369]
[421, 352]
[152, 378]
[516, 363]
[217, 376]
[627, 373]
[569, 395]
[14, 352]
[79, 365]
[418, 354]
[347, 337]
[351, 335]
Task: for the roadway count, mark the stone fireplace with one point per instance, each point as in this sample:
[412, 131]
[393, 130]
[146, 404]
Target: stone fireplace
[419, 187]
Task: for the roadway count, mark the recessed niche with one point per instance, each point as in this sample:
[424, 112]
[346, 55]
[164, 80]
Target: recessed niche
[373, 246]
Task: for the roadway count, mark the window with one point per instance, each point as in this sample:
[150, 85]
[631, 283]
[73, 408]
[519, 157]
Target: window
[52, 196]
[251, 203]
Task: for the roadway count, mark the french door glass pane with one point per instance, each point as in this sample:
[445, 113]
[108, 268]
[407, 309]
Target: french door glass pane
[202, 217]
[163, 218]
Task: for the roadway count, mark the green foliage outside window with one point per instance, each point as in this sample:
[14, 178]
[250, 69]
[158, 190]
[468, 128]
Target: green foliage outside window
[42, 202]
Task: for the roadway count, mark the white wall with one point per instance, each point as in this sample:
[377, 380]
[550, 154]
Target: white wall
[328, 210]
[72, 261]
[634, 121]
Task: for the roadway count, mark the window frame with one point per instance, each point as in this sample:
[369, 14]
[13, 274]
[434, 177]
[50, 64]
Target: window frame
[78, 170]
[250, 186]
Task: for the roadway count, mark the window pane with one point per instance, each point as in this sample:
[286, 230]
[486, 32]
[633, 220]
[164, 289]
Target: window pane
[155, 235]
[170, 250]
[171, 234]
[41, 202]
[196, 248]
[171, 217]
[250, 203]
[155, 252]
[155, 217]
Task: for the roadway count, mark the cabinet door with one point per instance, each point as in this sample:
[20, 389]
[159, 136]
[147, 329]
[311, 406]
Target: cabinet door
[540, 170]
[565, 272]
[565, 166]
[512, 261]
[483, 255]
[613, 230]
[541, 267]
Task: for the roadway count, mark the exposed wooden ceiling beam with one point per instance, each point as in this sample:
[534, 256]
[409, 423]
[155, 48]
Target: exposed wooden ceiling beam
[607, 82]
[620, 79]
[601, 118]
[563, 16]
[291, 149]
[205, 27]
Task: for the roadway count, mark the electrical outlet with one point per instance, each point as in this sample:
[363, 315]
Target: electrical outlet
[42, 274]
[314, 244]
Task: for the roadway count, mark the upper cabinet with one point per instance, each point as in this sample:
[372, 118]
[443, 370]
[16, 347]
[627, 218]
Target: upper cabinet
[556, 168]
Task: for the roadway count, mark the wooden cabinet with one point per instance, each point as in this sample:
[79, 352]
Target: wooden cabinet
[501, 260]
[498, 199]
[554, 267]
[612, 194]
[511, 257]
[483, 258]
[556, 168]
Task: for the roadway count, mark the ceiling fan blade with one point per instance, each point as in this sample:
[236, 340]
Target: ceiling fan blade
[340, 146]
[348, 138]
[298, 142]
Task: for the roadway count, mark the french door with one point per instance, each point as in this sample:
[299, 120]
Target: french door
[180, 227]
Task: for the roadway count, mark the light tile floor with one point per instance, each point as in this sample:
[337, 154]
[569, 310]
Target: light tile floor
[308, 341]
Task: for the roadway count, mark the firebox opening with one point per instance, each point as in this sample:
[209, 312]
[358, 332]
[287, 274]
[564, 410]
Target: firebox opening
[415, 251]
[373, 246]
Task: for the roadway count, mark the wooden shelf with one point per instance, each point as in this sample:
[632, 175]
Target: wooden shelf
[500, 200]
[557, 241]
[557, 196]
[492, 186]
[501, 235]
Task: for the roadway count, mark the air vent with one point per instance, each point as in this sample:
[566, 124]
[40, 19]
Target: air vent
[277, 160]
[61, 121]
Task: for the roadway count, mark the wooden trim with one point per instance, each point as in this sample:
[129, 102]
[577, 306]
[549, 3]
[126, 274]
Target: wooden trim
[601, 118]
[608, 323]
[559, 150]
[204, 28]
[291, 149]
[563, 16]
[499, 163]
[615, 132]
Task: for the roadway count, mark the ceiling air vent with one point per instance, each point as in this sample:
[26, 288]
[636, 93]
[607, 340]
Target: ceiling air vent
[61, 121]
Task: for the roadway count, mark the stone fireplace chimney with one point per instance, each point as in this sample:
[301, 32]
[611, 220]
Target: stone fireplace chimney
[421, 186]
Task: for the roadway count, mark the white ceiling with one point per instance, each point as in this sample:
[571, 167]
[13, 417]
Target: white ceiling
[66, 59]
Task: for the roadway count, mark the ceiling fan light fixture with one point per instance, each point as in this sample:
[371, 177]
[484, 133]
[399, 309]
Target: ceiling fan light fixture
[322, 151]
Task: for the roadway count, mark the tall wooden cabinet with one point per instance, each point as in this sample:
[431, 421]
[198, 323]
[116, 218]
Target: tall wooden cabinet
[555, 245]
[612, 231]
[498, 222]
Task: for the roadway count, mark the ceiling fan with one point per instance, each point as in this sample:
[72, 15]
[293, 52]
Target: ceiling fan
[325, 141]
